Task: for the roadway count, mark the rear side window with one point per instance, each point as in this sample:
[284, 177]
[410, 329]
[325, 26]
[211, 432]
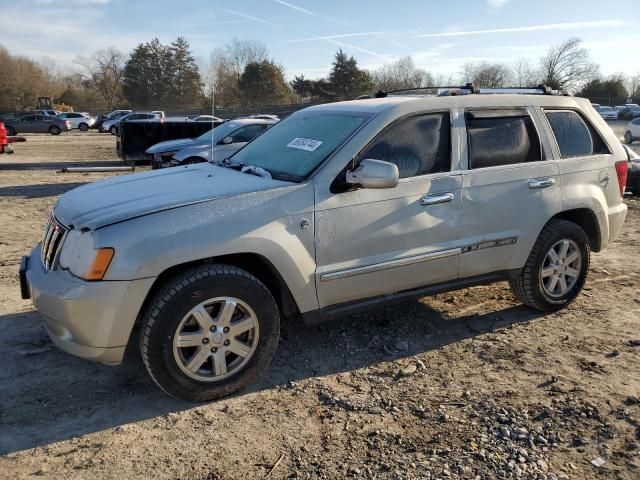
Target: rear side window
[418, 145]
[574, 136]
[501, 137]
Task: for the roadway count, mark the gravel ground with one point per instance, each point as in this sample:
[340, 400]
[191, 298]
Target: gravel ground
[465, 385]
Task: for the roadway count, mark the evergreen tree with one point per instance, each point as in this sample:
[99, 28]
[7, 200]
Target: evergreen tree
[186, 83]
[136, 82]
[346, 79]
[262, 83]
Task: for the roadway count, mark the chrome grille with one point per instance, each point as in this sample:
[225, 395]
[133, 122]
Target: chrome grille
[54, 234]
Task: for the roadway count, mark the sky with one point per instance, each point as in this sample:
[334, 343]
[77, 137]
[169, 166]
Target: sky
[303, 35]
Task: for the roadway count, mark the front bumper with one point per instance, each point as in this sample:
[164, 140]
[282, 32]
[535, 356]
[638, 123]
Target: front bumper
[92, 320]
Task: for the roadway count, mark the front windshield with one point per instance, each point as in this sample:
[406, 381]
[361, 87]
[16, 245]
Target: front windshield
[218, 133]
[296, 146]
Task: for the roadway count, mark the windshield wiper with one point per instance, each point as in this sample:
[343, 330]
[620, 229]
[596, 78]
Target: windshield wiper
[257, 171]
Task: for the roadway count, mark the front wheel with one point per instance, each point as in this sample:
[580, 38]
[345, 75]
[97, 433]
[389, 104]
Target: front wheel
[54, 130]
[11, 131]
[83, 127]
[556, 269]
[113, 130]
[209, 332]
[628, 138]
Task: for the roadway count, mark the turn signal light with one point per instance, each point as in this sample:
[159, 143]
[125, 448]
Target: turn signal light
[622, 168]
[100, 264]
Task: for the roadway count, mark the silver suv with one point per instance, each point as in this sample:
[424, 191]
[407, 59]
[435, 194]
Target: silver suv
[337, 207]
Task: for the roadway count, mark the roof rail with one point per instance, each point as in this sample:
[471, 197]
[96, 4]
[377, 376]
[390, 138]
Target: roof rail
[469, 88]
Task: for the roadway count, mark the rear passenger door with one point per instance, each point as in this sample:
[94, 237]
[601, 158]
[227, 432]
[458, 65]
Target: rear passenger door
[511, 187]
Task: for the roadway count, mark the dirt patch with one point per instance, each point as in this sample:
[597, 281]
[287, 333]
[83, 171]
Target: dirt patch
[462, 385]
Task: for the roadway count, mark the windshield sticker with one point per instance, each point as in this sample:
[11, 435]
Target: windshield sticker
[307, 144]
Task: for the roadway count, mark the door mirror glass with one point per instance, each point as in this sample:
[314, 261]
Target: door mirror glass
[374, 174]
[226, 141]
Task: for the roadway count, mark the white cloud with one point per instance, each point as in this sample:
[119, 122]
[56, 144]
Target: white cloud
[530, 28]
[497, 3]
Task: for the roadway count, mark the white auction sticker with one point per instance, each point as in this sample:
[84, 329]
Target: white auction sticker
[307, 144]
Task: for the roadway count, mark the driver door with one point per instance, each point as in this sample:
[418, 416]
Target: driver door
[371, 242]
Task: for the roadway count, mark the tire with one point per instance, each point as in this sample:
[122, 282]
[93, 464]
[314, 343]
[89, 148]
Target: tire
[113, 130]
[636, 188]
[83, 127]
[628, 138]
[171, 313]
[11, 131]
[532, 288]
[54, 130]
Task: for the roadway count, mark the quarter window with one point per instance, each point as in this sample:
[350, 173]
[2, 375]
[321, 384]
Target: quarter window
[574, 136]
[501, 137]
[418, 145]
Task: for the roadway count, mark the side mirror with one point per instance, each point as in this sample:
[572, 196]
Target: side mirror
[374, 174]
[226, 140]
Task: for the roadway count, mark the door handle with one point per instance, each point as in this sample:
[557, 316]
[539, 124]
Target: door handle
[541, 183]
[436, 199]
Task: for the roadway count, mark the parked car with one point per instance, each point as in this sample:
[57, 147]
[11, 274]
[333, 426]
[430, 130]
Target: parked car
[111, 126]
[51, 113]
[114, 115]
[608, 113]
[628, 111]
[37, 124]
[205, 118]
[337, 208]
[223, 141]
[81, 121]
[632, 132]
[596, 106]
[633, 177]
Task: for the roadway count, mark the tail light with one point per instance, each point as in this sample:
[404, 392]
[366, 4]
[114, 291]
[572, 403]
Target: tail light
[68, 122]
[622, 167]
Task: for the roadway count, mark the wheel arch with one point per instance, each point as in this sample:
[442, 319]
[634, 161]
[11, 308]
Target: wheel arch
[586, 219]
[254, 263]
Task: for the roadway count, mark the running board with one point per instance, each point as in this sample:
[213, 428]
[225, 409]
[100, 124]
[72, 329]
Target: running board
[357, 306]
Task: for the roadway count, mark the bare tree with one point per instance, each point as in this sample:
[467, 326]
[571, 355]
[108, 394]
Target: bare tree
[401, 74]
[633, 85]
[240, 53]
[486, 75]
[568, 66]
[524, 73]
[104, 72]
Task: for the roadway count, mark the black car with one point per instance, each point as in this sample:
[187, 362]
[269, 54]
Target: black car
[628, 112]
[633, 174]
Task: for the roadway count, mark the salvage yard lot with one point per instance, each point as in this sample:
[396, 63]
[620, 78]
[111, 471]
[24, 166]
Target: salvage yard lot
[452, 386]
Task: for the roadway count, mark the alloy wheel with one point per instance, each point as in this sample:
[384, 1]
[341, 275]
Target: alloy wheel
[561, 268]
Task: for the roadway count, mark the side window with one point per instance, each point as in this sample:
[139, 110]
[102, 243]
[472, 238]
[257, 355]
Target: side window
[574, 136]
[29, 118]
[418, 145]
[501, 137]
[75, 115]
[246, 134]
[63, 116]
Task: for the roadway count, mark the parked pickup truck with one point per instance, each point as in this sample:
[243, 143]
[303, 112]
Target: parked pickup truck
[336, 208]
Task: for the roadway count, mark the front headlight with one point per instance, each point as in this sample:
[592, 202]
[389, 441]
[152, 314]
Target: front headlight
[79, 256]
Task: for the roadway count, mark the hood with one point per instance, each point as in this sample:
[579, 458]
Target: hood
[171, 145]
[129, 196]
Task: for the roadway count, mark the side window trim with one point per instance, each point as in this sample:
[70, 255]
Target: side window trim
[588, 123]
[529, 112]
[448, 112]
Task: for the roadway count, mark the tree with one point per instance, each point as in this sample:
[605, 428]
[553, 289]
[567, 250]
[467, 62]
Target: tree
[263, 83]
[633, 85]
[612, 88]
[104, 71]
[401, 74]
[568, 66]
[524, 75]
[346, 79]
[186, 84]
[302, 86]
[486, 75]
[241, 53]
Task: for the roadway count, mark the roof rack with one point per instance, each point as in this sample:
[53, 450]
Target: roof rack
[469, 89]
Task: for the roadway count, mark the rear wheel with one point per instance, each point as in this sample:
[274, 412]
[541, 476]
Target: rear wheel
[628, 138]
[556, 269]
[209, 332]
[54, 130]
[83, 127]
